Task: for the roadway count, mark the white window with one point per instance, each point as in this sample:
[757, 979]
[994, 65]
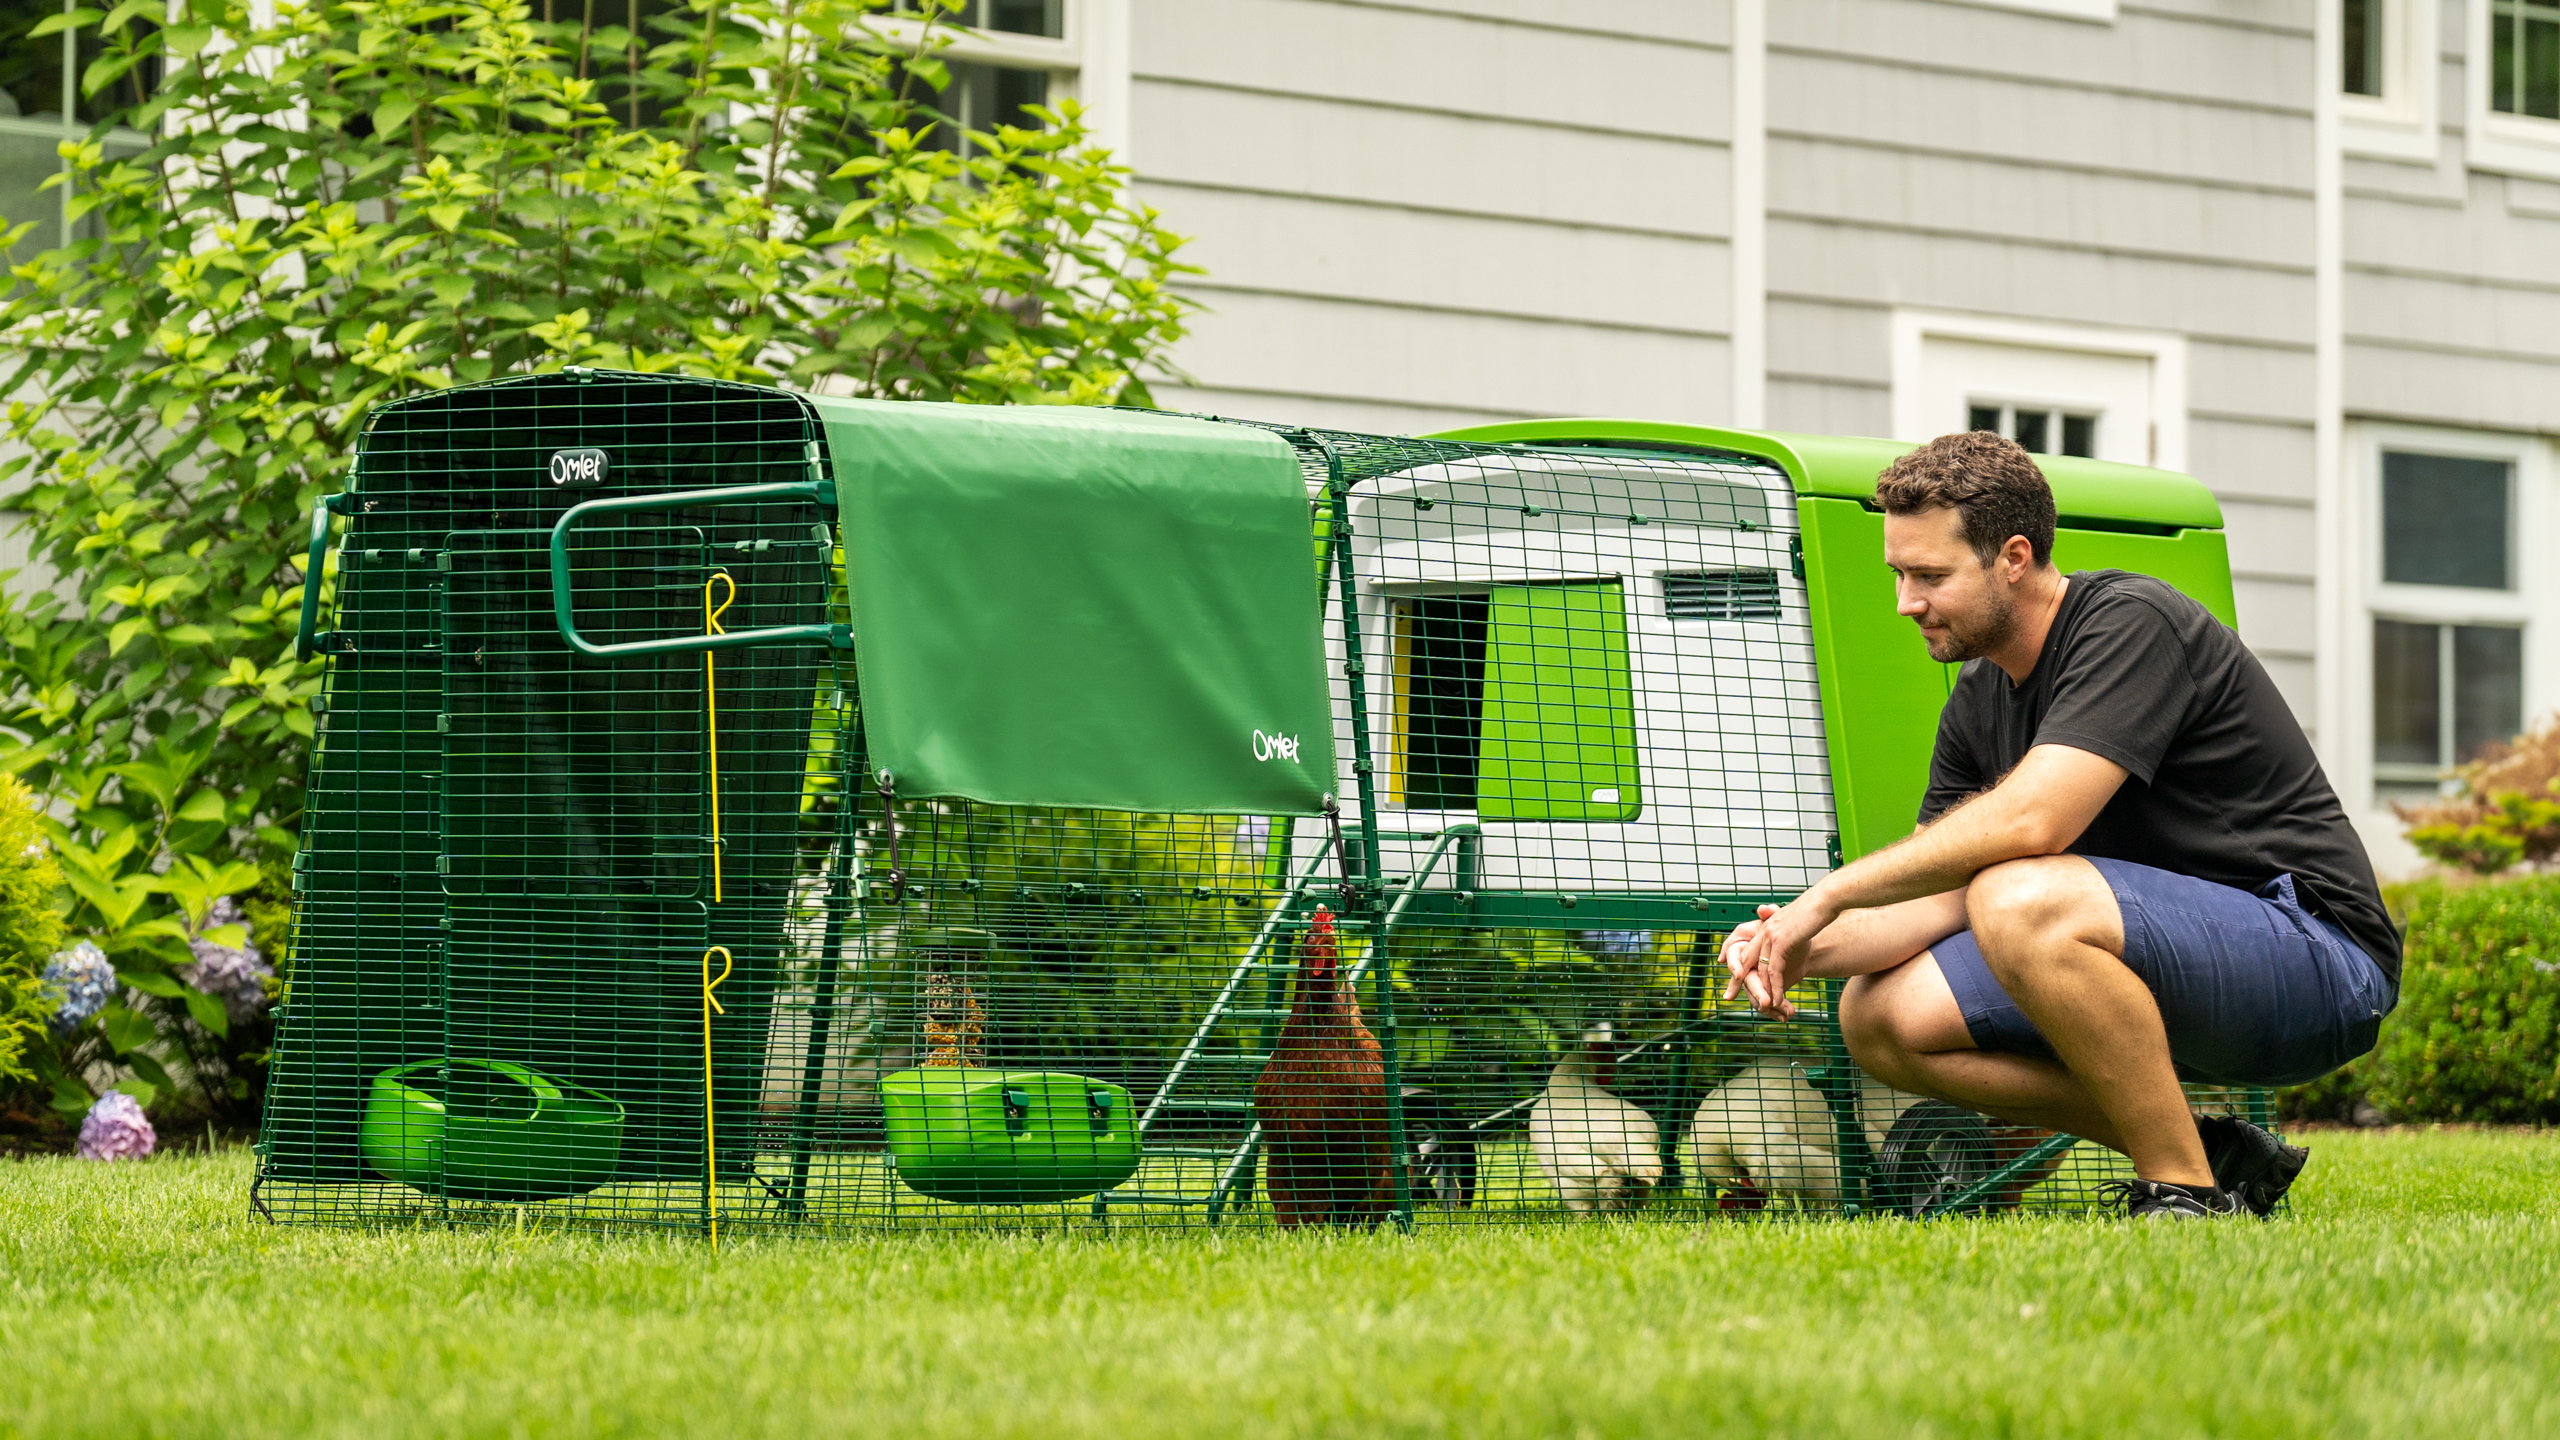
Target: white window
[1004, 55]
[37, 72]
[2387, 73]
[2448, 666]
[2450, 639]
[2513, 69]
[2524, 58]
[2055, 389]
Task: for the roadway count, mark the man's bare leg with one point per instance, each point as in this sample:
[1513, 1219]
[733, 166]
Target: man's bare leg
[1904, 1027]
[2050, 931]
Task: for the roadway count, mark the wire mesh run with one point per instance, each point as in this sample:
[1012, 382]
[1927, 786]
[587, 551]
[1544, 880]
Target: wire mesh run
[637, 939]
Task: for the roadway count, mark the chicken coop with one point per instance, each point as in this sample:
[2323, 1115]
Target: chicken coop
[743, 810]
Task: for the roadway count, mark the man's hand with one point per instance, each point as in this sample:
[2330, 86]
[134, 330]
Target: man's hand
[1768, 955]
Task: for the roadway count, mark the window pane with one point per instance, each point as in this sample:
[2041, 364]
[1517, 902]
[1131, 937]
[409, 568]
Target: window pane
[1024, 17]
[1014, 17]
[26, 161]
[127, 90]
[2444, 520]
[981, 97]
[2363, 74]
[2542, 67]
[2502, 60]
[625, 31]
[30, 65]
[2031, 431]
[2080, 435]
[2406, 707]
[2488, 686]
[1983, 417]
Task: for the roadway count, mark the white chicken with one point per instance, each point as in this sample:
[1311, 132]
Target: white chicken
[1767, 1133]
[1600, 1152]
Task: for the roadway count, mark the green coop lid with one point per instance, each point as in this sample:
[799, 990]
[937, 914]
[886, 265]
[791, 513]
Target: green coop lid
[1085, 608]
[1847, 466]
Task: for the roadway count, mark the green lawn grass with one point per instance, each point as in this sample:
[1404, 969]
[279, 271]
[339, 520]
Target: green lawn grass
[2414, 1291]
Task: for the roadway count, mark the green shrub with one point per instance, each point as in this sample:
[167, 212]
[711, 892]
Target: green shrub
[29, 926]
[2477, 1033]
[344, 202]
[2504, 814]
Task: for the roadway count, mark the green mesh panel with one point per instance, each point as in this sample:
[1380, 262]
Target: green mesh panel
[949, 1013]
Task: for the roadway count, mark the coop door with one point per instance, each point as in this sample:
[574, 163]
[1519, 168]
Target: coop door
[1559, 706]
[564, 776]
[1516, 703]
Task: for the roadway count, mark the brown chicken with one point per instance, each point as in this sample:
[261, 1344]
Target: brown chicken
[1322, 1101]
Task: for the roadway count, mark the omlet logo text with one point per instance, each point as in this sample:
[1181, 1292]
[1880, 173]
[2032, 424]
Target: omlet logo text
[1274, 747]
[580, 469]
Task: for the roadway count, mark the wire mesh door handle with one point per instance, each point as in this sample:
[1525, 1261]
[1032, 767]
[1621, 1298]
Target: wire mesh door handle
[817, 491]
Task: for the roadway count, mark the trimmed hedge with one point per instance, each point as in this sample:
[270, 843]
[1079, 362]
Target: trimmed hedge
[2477, 1033]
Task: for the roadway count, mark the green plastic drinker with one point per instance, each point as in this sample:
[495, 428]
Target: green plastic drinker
[1008, 1137]
[489, 1130]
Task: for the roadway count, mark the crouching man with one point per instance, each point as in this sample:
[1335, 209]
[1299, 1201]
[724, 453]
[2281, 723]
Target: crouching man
[2129, 866]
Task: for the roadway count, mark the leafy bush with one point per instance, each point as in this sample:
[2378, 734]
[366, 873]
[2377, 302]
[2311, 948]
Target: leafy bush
[2508, 811]
[29, 927]
[344, 203]
[2477, 1033]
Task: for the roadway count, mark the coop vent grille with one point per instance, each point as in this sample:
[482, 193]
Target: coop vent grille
[1721, 595]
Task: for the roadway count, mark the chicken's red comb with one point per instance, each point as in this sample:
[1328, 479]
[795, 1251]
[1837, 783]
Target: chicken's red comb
[1322, 928]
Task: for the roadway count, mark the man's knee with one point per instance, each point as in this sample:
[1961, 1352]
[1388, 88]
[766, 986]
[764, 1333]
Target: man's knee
[1881, 1027]
[2020, 910]
[1866, 1018]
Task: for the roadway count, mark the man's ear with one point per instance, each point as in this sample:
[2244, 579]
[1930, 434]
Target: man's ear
[2017, 558]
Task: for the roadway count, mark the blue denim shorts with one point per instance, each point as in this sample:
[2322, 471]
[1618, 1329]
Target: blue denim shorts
[2253, 989]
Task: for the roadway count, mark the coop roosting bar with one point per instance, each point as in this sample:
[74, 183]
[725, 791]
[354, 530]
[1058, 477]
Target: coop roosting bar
[742, 810]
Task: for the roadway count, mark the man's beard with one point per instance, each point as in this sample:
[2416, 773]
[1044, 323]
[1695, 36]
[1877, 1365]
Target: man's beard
[1971, 641]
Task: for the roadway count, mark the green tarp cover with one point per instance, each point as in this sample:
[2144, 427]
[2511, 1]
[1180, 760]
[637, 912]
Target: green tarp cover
[1084, 608]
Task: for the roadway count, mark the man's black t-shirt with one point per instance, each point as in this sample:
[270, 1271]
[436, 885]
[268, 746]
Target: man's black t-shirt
[2224, 786]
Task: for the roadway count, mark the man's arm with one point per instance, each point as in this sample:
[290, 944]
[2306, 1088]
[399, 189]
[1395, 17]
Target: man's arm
[1860, 942]
[2039, 808]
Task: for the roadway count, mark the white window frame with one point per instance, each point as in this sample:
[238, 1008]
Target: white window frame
[2102, 12]
[1063, 55]
[1088, 61]
[2533, 604]
[69, 128]
[2494, 140]
[2400, 123]
[1912, 329]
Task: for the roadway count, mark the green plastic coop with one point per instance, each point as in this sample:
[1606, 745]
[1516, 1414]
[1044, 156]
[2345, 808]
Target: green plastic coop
[742, 808]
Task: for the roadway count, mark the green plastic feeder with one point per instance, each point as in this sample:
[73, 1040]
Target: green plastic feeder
[1008, 1137]
[489, 1130]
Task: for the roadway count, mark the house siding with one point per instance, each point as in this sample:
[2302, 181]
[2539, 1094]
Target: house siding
[1417, 216]
[2153, 174]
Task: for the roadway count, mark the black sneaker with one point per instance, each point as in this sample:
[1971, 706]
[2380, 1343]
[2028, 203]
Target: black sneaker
[2160, 1200]
[2255, 1167]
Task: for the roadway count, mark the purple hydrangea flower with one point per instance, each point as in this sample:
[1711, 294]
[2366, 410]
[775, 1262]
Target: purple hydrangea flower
[116, 1129]
[235, 976]
[1613, 942]
[83, 981]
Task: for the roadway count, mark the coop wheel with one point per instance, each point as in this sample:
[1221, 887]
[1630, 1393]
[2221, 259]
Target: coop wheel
[1933, 1154]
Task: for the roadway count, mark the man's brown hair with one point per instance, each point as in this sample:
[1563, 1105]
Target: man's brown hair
[1989, 482]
